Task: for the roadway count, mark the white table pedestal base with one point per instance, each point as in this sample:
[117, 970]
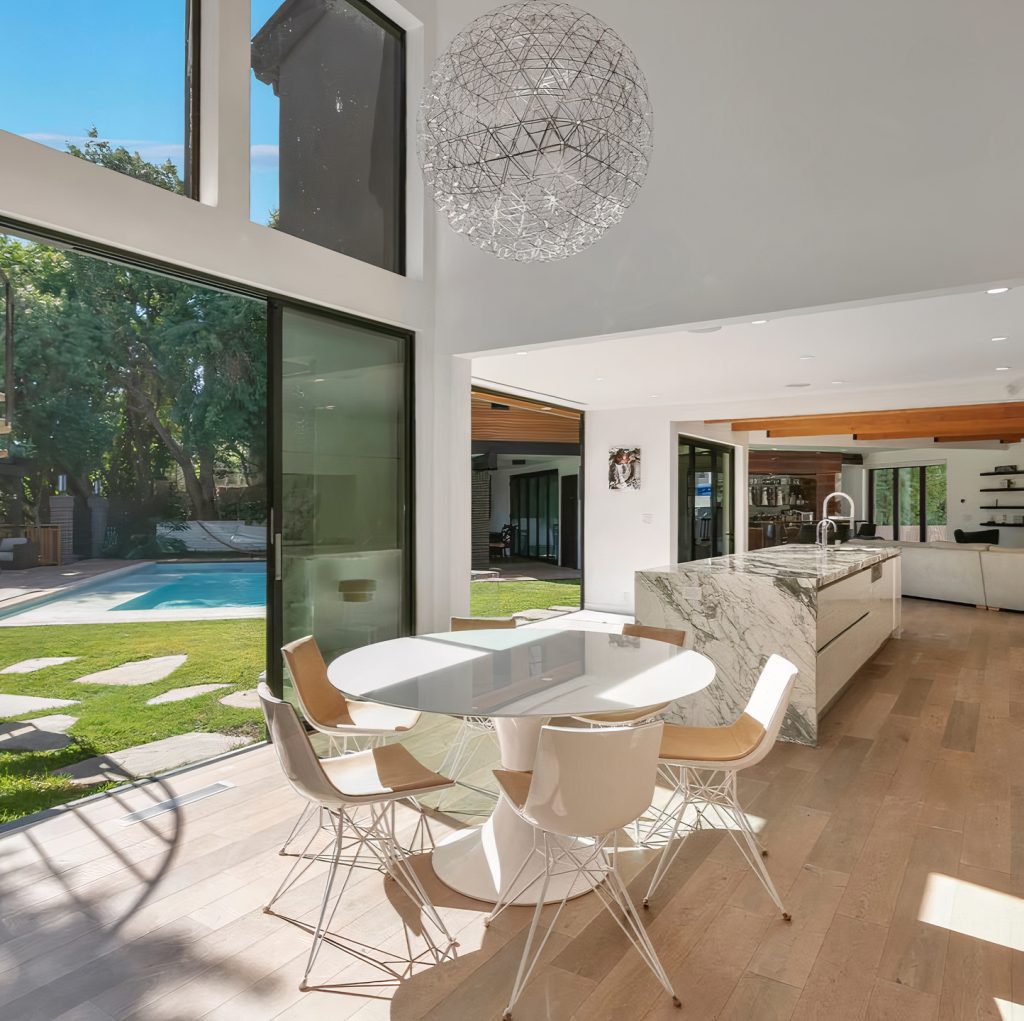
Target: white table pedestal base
[478, 862]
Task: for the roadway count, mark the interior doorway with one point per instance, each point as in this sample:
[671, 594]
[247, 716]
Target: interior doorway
[526, 505]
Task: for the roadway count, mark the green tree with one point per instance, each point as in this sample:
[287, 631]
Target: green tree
[134, 374]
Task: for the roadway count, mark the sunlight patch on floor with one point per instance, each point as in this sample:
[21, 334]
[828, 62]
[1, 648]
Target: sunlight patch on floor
[975, 911]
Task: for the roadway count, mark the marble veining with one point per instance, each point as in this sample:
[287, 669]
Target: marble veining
[739, 609]
[806, 565]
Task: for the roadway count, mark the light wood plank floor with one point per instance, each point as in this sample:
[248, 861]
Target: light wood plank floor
[898, 845]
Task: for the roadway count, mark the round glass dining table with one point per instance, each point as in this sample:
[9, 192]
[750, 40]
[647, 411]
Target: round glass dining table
[520, 678]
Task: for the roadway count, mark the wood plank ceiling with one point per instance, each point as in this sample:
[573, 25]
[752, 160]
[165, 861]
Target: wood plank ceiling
[949, 424]
[506, 419]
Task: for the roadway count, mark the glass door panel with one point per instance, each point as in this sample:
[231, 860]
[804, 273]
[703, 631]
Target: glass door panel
[533, 497]
[705, 525]
[881, 512]
[935, 503]
[344, 530]
[908, 484]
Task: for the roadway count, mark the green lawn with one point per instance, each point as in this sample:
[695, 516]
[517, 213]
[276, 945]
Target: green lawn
[112, 717]
[503, 598]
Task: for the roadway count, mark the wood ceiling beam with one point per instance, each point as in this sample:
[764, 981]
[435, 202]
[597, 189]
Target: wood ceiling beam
[845, 423]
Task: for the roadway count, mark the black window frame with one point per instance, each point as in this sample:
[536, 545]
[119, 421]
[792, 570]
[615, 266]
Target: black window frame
[922, 497]
[193, 84]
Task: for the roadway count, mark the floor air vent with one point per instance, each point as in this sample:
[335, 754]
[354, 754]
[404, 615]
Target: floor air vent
[174, 803]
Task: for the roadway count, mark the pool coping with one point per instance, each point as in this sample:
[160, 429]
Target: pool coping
[21, 603]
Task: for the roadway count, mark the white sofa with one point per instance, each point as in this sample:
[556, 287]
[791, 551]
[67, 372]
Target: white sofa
[973, 573]
[1002, 569]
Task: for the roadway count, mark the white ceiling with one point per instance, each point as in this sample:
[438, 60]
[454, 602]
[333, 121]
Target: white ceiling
[913, 352]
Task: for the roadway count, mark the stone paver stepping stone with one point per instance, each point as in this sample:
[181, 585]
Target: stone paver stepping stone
[142, 671]
[15, 705]
[150, 759]
[180, 694]
[242, 699]
[30, 666]
[38, 735]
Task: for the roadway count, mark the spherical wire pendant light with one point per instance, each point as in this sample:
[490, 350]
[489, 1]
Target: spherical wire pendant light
[535, 131]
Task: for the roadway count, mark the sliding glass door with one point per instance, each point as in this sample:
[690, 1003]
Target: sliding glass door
[533, 497]
[342, 568]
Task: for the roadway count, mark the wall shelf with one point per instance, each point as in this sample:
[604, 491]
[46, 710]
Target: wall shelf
[1008, 506]
[1002, 489]
[1000, 473]
[996, 524]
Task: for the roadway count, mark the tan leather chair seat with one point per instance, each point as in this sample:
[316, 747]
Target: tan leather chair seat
[711, 744]
[374, 716]
[515, 784]
[380, 771]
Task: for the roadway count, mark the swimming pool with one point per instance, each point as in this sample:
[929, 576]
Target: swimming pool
[154, 592]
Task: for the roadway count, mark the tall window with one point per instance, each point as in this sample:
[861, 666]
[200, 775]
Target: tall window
[108, 81]
[328, 126]
[914, 496]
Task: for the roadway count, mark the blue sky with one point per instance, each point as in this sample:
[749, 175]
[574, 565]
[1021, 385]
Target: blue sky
[119, 65]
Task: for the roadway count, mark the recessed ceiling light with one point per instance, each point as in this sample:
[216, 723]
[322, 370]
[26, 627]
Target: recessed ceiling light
[600, 379]
[319, 379]
[1002, 368]
[704, 329]
[807, 358]
[758, 322]
[796, 386]
[654, 397]
[997, 290]
[838, 382]
[329, 407]
[995, 340]
[522, 352]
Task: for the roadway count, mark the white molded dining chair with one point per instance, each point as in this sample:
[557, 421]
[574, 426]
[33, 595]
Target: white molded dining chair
[373, 780]
[585, 786]
[702, 764]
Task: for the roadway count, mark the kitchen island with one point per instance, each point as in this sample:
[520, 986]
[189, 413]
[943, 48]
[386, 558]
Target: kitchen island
[828, 610]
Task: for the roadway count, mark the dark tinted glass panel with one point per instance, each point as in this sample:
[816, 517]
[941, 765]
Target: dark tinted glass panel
[327, 126]
[101, 79]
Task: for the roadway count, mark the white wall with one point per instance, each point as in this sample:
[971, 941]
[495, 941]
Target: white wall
[627, 530]
[804, 154]
[963, 483]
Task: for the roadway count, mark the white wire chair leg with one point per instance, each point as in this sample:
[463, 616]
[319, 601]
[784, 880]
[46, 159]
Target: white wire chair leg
[472, 732]
[752, 850]
[559, 860]
[318, 933]
[673, 845]
[303, 818]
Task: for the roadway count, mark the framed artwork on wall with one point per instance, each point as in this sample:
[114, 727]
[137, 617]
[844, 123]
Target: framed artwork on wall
[623, 467]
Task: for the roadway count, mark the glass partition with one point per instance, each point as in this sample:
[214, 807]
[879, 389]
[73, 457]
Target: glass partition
[705, 526]
[344, 521]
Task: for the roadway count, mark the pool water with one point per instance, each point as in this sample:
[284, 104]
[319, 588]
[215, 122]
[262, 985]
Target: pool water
[214, 590]
[193, 586]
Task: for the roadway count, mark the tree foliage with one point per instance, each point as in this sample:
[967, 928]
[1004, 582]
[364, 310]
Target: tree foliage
[131, 376]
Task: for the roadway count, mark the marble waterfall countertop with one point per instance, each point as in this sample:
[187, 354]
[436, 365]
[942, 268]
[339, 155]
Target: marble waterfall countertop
[810, 566]
[813, 605]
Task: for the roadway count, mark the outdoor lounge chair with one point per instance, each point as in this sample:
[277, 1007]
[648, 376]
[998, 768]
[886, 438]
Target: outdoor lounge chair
[18, 553]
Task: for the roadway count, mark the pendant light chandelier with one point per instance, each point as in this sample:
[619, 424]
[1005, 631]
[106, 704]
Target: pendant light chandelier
[535, 131]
